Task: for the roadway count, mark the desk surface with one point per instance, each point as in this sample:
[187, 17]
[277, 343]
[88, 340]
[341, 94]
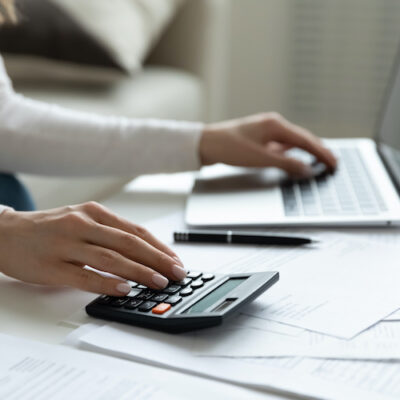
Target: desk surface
[35, 312]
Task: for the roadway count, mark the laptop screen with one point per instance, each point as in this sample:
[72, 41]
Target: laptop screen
[388, 138]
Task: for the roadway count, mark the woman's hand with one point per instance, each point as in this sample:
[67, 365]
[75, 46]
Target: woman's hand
[261, 141]
[52, 247]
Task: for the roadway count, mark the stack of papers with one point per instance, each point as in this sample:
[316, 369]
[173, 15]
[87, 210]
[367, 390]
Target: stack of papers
[33, 370]
[329, 329]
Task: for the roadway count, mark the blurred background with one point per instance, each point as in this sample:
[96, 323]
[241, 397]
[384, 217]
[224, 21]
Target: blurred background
[322, 64]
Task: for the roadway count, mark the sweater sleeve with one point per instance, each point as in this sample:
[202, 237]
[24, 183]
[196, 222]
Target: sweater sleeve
[46, 139]
[3, 208]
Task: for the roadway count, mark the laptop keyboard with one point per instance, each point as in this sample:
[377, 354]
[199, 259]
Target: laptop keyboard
[350, 191]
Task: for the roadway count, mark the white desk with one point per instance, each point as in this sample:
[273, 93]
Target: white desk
[35, 312]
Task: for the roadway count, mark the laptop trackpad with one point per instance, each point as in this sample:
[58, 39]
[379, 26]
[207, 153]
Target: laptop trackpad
[234, 196]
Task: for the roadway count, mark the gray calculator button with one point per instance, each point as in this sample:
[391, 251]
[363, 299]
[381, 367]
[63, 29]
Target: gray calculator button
[159, 297]
[132, 304]
[145, 295]
[194, 274]
[119, 302]
[133, 284]
[173, 300]
[141, 287]
[104, 299]
[186, 292]
[183, 282]
[147, 306]
[197, 284]
[172, 289]
[134, 292]
[207, 277]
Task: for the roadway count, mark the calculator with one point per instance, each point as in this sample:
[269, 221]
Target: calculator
[201, 300]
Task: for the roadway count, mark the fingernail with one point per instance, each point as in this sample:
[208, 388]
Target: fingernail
[178, 272]
[178, 260]
[160, 281]
[123, 288]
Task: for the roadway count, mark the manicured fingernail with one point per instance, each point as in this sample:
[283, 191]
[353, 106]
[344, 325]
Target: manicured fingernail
[178, 272]
[178, 260]
[160, 281]
[123, 288]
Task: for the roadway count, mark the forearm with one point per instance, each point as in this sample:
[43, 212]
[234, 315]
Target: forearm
[46, 139]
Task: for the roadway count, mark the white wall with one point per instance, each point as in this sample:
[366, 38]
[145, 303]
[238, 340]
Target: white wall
[323, 64]
[258, 55]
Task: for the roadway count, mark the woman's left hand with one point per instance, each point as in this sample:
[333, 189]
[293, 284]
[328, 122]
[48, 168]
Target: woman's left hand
[261, 141]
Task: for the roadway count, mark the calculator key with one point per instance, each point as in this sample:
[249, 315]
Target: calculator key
[207, 277]
[133, 284]
[159, 297]
[141, 287]
[132, 304]
[186, 292]
[193, 274]
[147, 306]
[119, 302]
[197, 284]
[146, 294]
[161, 308]
[172, 289]
[104, 299]
[183, 282]
[134, 292]
[173, 300]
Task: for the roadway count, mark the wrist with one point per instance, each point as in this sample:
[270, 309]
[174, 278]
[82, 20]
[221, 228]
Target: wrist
[209, 143]
[4, 209]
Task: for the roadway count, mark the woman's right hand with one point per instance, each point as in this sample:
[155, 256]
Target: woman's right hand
[53, 247]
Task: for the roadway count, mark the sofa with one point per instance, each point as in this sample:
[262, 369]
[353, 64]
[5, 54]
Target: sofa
[183, 78]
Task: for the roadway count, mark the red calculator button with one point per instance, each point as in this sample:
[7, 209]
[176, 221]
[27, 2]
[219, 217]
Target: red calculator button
[161, 308]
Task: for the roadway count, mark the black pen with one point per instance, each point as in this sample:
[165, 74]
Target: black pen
[232, 237]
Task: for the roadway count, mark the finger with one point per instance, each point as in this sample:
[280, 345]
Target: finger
[135, 249]
[105, 217]
[276, 147]
[291, 165]
[90, 281]
[111, 261]
[288, 133]
[252, 154]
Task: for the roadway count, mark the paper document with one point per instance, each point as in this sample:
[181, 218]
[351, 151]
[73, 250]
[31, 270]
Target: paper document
[30, 370]
[394, 316]
[277, 375]
[339, 291]
[260, 338]
[339, 287]
[36, 371]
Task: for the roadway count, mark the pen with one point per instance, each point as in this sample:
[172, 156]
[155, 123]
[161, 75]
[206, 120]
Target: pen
[231, 237]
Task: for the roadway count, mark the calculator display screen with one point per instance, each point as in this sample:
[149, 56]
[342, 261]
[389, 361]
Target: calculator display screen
[214, 296]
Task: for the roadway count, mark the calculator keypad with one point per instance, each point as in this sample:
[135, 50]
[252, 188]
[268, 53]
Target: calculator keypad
[143, 299]
[186, 292]
[132, 304]
[159, 297]
[197, 284]
[147, 306]
[173, 300]
[172, 289]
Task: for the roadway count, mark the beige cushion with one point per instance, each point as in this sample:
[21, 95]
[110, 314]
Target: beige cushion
[126, 28]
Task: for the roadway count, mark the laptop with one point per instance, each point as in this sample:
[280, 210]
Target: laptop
[363, 191]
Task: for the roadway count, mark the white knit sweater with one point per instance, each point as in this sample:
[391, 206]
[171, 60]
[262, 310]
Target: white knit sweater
[40, 138]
